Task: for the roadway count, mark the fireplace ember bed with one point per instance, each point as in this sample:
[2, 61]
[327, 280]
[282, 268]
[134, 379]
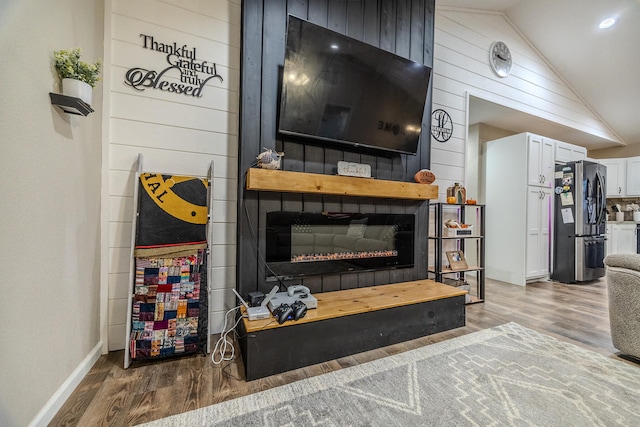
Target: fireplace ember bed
[308, 243]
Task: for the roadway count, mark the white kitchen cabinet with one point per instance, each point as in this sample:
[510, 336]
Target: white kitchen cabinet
[566, 152]
[539, 203]
[540, 160]
[517, 225]
[633, 176]
[622, 238]
[616, 176]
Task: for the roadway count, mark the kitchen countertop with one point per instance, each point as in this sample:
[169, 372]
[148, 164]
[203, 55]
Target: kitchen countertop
[622, 222]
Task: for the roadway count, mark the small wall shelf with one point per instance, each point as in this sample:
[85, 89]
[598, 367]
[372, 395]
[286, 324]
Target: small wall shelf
[70, 105]
[301, 182]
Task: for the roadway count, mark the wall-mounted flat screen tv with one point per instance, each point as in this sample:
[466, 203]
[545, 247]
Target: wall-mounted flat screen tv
[338, 89]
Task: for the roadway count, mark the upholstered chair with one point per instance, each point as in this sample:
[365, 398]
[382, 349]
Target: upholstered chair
[623, 284]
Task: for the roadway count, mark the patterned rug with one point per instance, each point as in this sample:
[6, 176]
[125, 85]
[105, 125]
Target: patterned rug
[507, 375]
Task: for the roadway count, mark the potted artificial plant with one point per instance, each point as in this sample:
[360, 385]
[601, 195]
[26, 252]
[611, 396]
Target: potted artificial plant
[78, 77]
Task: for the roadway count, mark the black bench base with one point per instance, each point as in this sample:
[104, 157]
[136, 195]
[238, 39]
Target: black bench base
[272, 351]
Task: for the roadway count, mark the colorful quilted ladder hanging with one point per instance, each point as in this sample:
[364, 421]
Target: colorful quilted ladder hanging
[169, 302]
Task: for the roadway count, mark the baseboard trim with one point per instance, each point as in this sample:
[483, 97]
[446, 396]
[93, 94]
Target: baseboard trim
[58, 399]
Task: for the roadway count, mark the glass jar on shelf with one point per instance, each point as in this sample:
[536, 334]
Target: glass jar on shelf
[456, 194]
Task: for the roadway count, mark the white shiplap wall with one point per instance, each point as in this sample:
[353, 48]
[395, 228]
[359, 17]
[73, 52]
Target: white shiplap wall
[175, 133]
[461, 67]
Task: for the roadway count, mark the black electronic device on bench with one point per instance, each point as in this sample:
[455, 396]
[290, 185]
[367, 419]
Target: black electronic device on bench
[294, 293]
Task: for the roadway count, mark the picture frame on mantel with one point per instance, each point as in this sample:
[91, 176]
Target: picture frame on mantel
[457, 260]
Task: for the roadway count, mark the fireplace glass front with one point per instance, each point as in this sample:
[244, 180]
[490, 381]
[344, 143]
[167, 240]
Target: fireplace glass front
[307, 244]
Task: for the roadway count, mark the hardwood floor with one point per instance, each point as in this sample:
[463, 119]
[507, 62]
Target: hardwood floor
[112, 396]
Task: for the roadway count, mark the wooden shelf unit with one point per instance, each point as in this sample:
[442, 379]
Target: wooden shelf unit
[302, 182]
[436, 239]
[450, 270]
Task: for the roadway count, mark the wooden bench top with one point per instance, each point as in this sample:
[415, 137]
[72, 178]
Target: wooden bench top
[362, 300]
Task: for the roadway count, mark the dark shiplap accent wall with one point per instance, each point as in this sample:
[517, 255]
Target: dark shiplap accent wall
[404, 27]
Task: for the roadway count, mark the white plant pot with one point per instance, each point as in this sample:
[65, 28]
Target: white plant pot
[77, 89]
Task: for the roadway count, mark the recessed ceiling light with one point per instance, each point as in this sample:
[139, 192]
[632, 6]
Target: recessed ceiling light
[606, 23]
[334, 46]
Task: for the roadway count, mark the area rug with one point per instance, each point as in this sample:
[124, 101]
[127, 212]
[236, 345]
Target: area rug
[507, 375]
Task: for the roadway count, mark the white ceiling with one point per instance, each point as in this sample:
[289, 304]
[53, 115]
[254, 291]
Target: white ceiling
[602, 66]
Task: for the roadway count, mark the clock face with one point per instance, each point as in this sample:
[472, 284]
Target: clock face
[500, 59]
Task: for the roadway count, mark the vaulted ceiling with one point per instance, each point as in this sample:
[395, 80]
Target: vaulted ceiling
[602, 66]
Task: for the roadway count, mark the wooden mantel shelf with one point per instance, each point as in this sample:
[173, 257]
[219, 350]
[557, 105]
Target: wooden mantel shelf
[301, 182]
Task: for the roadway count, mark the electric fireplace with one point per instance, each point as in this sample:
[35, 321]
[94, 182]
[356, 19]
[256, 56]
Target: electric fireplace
[310, 243]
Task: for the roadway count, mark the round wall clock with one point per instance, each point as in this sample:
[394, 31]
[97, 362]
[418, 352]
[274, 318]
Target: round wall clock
[500, 59]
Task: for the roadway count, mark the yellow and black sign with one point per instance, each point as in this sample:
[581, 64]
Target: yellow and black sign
[172, 210]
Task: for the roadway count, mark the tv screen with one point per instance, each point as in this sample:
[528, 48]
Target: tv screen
[335, 88]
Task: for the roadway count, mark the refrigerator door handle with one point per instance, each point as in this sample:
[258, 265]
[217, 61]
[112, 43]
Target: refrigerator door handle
[601, 198]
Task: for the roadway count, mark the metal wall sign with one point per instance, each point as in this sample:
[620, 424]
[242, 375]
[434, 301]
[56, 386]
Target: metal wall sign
[185, 75]
[441, 125]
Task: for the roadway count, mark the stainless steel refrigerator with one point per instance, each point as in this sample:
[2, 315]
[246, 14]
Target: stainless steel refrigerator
[579, 222]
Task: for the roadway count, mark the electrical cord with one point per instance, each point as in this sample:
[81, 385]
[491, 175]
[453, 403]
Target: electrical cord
[223, 344]
[254, 240]
[254, 237]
